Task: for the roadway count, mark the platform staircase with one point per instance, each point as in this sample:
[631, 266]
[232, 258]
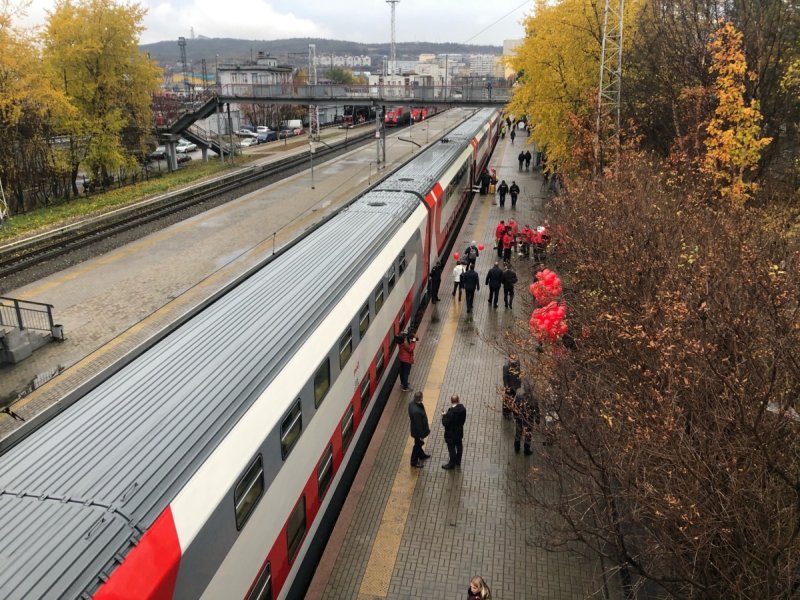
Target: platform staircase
[25, 326]
[185, 127]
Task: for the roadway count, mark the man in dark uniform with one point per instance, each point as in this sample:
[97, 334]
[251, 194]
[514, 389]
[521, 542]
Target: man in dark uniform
[419, 430]
[514, 192]
[502, 190]
[509, 278]
[511, 383]
[521, 159]
[528, 157]
[453, 420]
[435, 281]
[525, 413]
[494, 279]
[471, 284]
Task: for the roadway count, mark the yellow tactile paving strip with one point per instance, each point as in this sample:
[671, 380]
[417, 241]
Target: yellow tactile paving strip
[378, 573]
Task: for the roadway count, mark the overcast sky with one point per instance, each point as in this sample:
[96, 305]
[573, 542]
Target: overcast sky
[458, 21]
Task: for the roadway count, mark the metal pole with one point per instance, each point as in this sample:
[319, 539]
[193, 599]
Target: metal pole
[219, 137]
[311, 156]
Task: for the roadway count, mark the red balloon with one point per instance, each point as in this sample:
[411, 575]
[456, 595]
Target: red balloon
[456, 255]
[481, 247]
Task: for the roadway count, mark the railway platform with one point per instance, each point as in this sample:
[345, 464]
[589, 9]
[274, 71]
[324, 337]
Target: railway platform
[113, 304]
[407, 533]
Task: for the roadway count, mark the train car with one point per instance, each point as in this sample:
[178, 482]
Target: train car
[420, 113]
[213, 462]
[355, 114]
[397, 115]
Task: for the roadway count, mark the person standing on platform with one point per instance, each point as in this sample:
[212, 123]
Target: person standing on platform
[521, 159]
[528, 158]
[512, 135]
[514, 191]
[478, 590]
[489, 89]
[525, 240]
[471, 254]
[485, 181]
[509, 278]
[511, 383]
[453, 420]
[498, 236]
[523, 420]
[419, 430]
[494, 279]
[458, 271]
[502, 190]
[471, 283]
[435, 281]
[508, 244]
[406, 356]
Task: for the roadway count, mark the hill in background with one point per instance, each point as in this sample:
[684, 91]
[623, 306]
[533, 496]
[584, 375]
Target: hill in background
[294, 51]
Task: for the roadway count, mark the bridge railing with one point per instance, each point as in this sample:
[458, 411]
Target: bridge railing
[354, 94]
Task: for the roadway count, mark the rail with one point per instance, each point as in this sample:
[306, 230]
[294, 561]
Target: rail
[24, 314]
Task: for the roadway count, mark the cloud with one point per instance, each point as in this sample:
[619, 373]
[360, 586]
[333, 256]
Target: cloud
[242, 19]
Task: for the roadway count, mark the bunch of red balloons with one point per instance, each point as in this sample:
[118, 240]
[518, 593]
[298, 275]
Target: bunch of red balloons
[548, 321]
[547, 288]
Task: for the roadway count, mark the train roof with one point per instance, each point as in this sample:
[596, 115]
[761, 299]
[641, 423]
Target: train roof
[87, 484]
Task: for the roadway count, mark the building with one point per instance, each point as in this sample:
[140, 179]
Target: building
[265, 70]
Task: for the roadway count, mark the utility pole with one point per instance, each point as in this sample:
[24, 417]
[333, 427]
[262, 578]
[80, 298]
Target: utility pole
[609, 93]
[392, 48]
[3, 205]
[313, 110]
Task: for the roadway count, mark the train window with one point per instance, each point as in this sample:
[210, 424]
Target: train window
[401, 261]
[378, 297]
[248, 491]
[296, 528]
[363, 320]
[364, 393]
[322, 382]
[291, 427]
[347, 427]
[262, 590]
[402, 319]
[380, 363]
[325, 471]
[345, 347]
[390, 278]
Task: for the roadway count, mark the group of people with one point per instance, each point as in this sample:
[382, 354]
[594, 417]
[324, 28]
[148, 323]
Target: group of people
[509, 238]
[525, 158]
[504, 189]
[453, 420]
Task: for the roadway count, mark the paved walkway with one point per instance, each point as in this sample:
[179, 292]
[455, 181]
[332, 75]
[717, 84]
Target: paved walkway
[423, 533]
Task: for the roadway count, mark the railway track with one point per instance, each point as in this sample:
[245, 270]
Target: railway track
[29, 253]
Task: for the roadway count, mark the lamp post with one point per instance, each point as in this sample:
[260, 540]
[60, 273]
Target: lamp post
[311, 157]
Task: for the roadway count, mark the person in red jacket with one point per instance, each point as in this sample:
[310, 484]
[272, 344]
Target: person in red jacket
[406, 356]
[499, 231]
[508, 243]
[525, 240]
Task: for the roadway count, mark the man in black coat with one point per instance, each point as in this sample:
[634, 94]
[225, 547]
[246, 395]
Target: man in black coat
[435, 281]
[514, 192]
[453, 420]
[419, 430]
[502, 190]
[494, 279]
[471, 284]
[511, 383]
[509, 278]
[526, 413]
[528, 157]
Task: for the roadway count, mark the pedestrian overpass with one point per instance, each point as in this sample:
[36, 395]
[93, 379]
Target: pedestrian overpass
[477, 94]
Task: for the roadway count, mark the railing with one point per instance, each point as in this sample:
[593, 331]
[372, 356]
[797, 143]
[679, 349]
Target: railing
[475, 92]
[24, 314]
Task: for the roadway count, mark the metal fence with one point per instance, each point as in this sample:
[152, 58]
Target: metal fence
[24, 314]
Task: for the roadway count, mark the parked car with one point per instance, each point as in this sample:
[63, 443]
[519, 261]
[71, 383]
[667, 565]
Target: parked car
[159, 153]
[262, 129]
[267, 136]
[182, 158]
[285, 133]
[247, 142]
[185, 146]
[246, 133]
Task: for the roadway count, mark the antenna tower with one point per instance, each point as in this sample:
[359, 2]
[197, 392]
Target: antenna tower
[182, 45]
[392, 48]
[610, 88]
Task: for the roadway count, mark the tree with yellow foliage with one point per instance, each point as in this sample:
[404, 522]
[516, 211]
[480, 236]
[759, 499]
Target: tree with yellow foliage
[734, 144]
[91, 52]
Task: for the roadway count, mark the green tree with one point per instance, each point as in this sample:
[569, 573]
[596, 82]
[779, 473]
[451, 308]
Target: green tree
[90, 50]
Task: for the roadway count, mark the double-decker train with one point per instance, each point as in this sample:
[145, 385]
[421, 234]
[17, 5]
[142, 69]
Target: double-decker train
[213, 463]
